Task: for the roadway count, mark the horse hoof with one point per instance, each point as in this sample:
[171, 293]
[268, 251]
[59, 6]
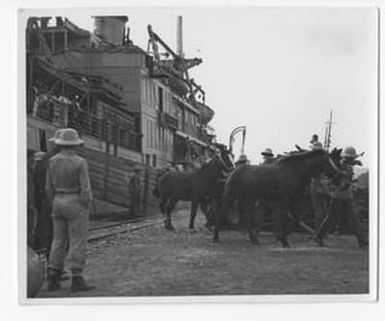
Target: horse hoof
[320, 243]
[169, 227]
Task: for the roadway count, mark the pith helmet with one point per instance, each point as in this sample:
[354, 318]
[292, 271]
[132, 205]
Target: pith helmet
[314, 138]
[267, 152]
[242, 158]
[349, 152]
[68, 137]
[316, 146]
[56, 135]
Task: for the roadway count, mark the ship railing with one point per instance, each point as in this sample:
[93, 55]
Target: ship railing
[62, 112]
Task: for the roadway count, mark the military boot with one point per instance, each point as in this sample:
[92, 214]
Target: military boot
[79, 284]
[53, 279]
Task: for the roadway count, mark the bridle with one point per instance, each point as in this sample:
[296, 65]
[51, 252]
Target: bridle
[339, 171]
[222, 162]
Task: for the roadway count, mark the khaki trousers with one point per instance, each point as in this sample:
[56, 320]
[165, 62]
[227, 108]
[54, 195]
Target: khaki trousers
[70, 231]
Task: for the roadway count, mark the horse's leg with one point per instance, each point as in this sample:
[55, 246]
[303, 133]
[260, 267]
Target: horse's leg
[241, 212]
[204, 206]
[220, 216]
[251, 220]
[280, 217]
[162, 205]
[169, 207]
[193, 213]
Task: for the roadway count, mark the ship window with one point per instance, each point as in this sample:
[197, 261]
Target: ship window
[154, 160]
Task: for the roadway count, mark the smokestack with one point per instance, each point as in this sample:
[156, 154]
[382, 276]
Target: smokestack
[110, 28]
[179, 36]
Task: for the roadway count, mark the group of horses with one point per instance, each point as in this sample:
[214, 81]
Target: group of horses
[217, 185]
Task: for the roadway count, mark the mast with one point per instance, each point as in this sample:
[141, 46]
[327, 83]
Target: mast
[328, 132]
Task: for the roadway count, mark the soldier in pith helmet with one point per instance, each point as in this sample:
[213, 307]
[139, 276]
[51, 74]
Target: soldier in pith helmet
[344, 205]
[68, 185]
[242, 160]
[268, 156]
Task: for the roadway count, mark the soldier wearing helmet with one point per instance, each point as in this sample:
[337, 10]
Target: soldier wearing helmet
[350, 156]
[315, 144]
[68, 186]
[268, 157]
[242, 160]
[134, 188]
[44, 231]
[343, 202]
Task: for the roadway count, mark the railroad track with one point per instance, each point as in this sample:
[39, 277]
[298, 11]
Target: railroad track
[114, 228]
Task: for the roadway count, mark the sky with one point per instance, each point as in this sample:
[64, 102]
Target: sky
[278, 71]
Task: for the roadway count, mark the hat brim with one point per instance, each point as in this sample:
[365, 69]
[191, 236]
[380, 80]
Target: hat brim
[267, 154]
[61, 142]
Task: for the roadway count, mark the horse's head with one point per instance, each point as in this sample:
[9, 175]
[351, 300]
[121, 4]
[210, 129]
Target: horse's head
[332, 168]
[225, 159]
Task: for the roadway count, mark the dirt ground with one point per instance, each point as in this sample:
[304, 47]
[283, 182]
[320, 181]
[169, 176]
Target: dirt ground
[155, 262]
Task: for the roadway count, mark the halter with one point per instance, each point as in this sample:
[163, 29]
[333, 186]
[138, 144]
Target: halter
[222, 161]
[339, 171]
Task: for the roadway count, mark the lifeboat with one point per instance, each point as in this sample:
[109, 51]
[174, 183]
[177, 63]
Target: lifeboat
[206, 113]
[179, 86]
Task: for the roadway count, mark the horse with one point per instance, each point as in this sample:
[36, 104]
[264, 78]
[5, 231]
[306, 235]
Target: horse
[280, 183]
[195, 186]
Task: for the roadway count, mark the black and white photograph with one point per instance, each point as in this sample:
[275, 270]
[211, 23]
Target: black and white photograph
[215, 153]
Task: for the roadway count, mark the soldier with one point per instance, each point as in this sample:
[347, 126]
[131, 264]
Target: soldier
[344, 199]
[268, 156]
[68, 185]
[31, 201]
[41, 236]
[44, 232]
[242, 160]
[134, 191]
[313, 140]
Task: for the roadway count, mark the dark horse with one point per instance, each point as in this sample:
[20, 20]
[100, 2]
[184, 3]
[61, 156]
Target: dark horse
[280, 183]
[195, 186]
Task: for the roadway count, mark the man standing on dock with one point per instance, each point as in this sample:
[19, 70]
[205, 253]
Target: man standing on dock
[44, 230]
[68, 185]
[134, 192]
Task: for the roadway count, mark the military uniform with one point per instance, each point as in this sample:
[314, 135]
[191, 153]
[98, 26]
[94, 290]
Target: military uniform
[268, 157]
[134, 192]
[68, 185]
[44, 230]
[31, 201]
[344, 207]
[242, 160]
[268, 161]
